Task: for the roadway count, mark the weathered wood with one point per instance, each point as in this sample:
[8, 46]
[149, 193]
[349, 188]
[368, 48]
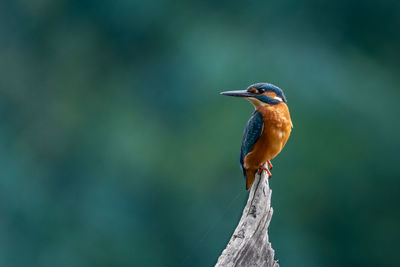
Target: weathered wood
[249, 245]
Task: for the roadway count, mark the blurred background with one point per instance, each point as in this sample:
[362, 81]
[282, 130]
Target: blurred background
[116, 148]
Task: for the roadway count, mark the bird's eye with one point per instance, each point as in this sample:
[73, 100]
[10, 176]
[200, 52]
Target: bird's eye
[260, 91]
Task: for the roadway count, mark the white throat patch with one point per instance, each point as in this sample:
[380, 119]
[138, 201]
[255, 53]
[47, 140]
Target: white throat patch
[257, 103]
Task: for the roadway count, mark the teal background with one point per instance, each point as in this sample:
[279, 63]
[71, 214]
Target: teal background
[116, 148]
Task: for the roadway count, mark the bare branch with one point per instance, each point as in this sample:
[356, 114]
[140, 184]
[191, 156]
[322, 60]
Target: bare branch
[249, 245]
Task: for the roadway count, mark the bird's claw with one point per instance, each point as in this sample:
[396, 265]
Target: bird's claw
[270, 166]
[262, 168]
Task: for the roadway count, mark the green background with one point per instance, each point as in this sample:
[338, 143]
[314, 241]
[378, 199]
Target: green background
[116, 148]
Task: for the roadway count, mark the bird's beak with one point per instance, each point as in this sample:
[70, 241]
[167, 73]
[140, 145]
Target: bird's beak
[239, 93]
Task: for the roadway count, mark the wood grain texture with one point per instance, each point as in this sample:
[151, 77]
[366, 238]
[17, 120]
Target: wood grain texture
[249, 245]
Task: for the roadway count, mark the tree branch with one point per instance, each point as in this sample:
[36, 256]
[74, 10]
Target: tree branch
[249, 245]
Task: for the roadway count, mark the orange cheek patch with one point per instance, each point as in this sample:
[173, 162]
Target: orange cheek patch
[270, 94]
[252, 90]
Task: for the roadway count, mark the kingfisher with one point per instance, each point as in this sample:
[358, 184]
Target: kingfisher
[267, 130]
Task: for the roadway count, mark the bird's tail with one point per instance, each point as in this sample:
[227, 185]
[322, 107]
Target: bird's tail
[250, 176]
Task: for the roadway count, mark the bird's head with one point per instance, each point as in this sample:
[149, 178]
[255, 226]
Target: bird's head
[260, 94]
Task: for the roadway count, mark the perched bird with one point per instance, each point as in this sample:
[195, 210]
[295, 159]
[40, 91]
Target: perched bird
[266, 132]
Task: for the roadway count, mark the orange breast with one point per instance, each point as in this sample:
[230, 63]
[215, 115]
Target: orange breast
[276, 132]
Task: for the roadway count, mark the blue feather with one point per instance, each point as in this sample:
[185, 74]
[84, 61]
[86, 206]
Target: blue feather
[251, 134]
[269, 88]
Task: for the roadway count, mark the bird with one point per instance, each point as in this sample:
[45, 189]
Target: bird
[267, 130]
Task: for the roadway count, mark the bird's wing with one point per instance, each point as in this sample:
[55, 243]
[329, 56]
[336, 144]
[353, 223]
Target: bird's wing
[251, 134]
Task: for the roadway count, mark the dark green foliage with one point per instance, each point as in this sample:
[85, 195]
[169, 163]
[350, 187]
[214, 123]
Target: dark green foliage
[116, 148]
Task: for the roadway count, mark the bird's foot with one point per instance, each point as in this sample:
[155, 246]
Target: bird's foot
[262, 168]
[269, 164]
